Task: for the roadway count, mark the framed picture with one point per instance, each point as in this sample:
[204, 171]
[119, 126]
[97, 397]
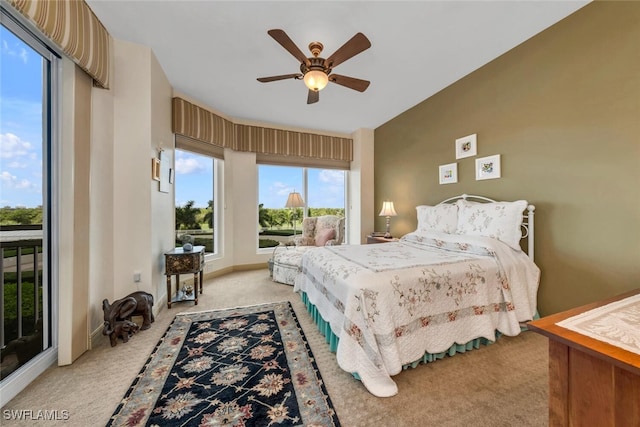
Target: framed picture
[166, 163]
[155, 169]
[466, 146]
[449, 173]
[488, 167]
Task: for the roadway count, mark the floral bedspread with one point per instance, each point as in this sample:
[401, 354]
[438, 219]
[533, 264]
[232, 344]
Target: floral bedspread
[390, 303]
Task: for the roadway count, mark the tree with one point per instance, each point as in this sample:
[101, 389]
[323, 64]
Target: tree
[278, 217]
[20, 215]
[264, 216]
[186, 217]
[208, 216]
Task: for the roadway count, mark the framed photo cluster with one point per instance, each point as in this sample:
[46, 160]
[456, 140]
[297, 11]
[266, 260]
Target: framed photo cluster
[467, 146]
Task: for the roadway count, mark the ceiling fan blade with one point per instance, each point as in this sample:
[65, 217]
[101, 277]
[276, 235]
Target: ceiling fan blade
[313, 97]
[351, 48]
[282, 77]
[350, 82]
[281, 37]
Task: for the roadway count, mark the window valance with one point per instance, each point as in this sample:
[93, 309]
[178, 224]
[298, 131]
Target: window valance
[198, 123]
[72, 26]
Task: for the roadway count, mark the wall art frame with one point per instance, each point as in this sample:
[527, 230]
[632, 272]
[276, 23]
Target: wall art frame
[166, 162]
[488, 167]
[467, 146]
[155, 169]
[448, 174]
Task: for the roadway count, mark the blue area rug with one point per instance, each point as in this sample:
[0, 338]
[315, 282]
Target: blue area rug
[249, 366]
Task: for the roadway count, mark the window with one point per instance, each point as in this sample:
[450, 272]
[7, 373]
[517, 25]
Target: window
[195, 199]
[28, 124]
[322, 190]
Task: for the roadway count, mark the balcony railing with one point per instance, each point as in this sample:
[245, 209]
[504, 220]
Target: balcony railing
[21, 281]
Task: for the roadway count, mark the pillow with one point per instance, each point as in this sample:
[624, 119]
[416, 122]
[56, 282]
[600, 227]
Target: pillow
[442, 217]
[498, 220]
[324, 236]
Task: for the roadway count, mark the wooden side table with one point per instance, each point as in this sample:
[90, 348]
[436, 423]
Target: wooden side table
[177, 262]
[380, 239]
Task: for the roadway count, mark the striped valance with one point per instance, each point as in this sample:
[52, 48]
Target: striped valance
[72, 26]
[289, 143]
[198, 123]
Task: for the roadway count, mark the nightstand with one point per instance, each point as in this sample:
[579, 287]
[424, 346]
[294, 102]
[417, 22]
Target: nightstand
[177, 262]
[380, 239]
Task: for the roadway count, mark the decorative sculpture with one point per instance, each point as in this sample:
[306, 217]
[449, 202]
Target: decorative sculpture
[123, 329]
[135, 304]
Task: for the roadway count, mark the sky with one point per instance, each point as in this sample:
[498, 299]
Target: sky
[20, 123]
[21, 147]
[325, 186]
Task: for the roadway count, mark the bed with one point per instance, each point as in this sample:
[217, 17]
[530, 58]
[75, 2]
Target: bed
[459, 280]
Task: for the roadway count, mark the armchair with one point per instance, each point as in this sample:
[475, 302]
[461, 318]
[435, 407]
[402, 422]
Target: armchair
[327, 230]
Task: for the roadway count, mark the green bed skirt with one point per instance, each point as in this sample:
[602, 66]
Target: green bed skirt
[332, 339]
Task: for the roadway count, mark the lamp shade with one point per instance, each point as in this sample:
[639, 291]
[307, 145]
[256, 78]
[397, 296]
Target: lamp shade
[388, 209]
[294, 201]
[316, 80]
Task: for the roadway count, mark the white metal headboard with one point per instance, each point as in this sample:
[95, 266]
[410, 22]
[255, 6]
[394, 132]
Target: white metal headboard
[527, 218]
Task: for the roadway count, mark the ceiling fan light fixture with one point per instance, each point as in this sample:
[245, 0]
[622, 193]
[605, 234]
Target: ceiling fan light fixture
[316, 79]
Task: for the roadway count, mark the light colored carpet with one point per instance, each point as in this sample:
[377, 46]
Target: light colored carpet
[504, 384]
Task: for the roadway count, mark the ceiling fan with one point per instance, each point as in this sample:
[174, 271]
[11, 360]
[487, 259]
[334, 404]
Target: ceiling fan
[315, 70]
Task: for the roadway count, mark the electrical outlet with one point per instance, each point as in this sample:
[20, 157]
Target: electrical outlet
[136, 276]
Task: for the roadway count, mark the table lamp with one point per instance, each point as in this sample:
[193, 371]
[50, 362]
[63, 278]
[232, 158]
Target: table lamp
[388, 211]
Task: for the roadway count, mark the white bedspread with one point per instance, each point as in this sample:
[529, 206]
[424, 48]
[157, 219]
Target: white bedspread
[390, 303]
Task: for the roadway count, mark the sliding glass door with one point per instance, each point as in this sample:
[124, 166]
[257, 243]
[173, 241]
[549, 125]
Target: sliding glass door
[28, 76]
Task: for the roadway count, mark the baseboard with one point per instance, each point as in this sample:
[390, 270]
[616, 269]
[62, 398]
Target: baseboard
[95, 336]
[247, 267]
[159, 305]
[218, 273]
[231, 269]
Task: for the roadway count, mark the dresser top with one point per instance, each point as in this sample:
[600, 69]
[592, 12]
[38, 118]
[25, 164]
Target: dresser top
[180, 251]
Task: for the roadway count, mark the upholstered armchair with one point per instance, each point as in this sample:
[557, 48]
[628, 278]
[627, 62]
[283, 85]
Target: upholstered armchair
[286, 263]
[326, 230]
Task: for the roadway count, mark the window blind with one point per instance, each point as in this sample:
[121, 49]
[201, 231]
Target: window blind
[200, 147]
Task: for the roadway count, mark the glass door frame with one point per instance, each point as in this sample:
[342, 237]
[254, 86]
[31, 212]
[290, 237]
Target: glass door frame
[51, 137]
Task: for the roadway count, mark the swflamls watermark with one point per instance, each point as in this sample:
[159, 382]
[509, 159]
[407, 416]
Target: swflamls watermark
[35, 415]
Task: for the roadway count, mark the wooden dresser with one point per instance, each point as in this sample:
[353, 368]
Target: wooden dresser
[591, 382]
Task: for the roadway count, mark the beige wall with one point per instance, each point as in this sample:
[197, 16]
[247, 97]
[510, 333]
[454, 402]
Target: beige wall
[360, 188]
[72, 206]
[101, 253]
[162, 204]
[563, 110]
[131, 221]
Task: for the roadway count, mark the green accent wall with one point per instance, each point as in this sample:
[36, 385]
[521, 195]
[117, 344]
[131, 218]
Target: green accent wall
[563, 111]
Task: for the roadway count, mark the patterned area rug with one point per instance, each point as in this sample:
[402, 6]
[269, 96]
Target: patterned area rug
[249, 366]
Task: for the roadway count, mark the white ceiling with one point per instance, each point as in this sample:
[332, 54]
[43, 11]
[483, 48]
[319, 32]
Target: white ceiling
[213, 51]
